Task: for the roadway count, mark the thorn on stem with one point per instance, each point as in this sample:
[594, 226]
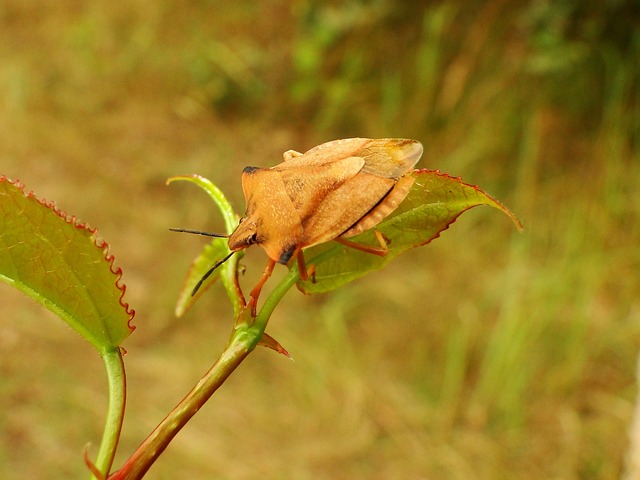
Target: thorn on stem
[90, 465]
[270, 342]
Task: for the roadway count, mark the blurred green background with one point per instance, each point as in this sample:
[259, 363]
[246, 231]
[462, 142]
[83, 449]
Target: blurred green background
[488, 354]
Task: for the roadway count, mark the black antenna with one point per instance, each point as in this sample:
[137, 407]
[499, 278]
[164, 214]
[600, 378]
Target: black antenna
[209, 272]
[216, 265]
[199, 232]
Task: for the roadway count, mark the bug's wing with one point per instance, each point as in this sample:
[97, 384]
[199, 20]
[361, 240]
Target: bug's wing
[344, 207]
[330, 152]
[390, 157]
[383, 208]
[364, 200]
[307, 185]
[318, 192]
[336, 186]
[385, 157]
[280, 199]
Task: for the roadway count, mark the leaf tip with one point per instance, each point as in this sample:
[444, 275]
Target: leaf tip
[190, 177]
[491, 201]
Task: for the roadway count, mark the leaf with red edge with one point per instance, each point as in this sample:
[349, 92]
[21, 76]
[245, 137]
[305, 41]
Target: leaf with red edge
[62, 264]
[434, 202]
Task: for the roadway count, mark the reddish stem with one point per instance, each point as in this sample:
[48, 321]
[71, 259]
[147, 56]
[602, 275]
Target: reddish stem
[242, 342]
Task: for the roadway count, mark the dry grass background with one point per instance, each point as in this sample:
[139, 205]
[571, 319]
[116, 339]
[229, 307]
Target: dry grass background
[488, 354]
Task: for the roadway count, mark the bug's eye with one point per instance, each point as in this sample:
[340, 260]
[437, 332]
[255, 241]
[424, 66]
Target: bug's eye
[253, 238]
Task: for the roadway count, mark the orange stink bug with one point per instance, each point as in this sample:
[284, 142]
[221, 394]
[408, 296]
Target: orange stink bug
[332, 192]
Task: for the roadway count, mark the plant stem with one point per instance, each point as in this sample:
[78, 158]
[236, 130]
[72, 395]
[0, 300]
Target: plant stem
[246, 335]
[274, 298]
[115, 411]
[229, 277]
[243, 340]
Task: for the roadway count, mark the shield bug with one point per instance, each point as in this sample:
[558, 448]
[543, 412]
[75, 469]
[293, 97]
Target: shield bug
[332, 192]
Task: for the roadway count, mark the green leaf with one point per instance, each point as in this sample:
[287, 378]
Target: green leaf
[228, 214]
[212, 253]
[434, 202]
[62, 264]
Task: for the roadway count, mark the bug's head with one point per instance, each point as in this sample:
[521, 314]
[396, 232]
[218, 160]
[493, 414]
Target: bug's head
[245, 235]
[253, 232]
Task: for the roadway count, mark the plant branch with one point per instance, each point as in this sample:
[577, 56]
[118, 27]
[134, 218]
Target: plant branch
[275, 296]
[243, 340]
[246, 335]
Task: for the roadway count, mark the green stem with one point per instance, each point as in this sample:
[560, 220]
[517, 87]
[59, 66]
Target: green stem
[115, 411]
[228, 275]
[274, 298]
[244, 339]
[246, 335]
[242, 342]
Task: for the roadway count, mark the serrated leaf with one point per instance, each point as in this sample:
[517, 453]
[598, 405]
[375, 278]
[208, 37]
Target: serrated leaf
[62, 264]
[434, 202]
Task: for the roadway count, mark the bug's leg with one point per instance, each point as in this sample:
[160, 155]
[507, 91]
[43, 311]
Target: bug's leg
[302, 266]
[255, 293]
[312, 273]
[305, 272]
[383, 240]
[381, 251]
[236, 284]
